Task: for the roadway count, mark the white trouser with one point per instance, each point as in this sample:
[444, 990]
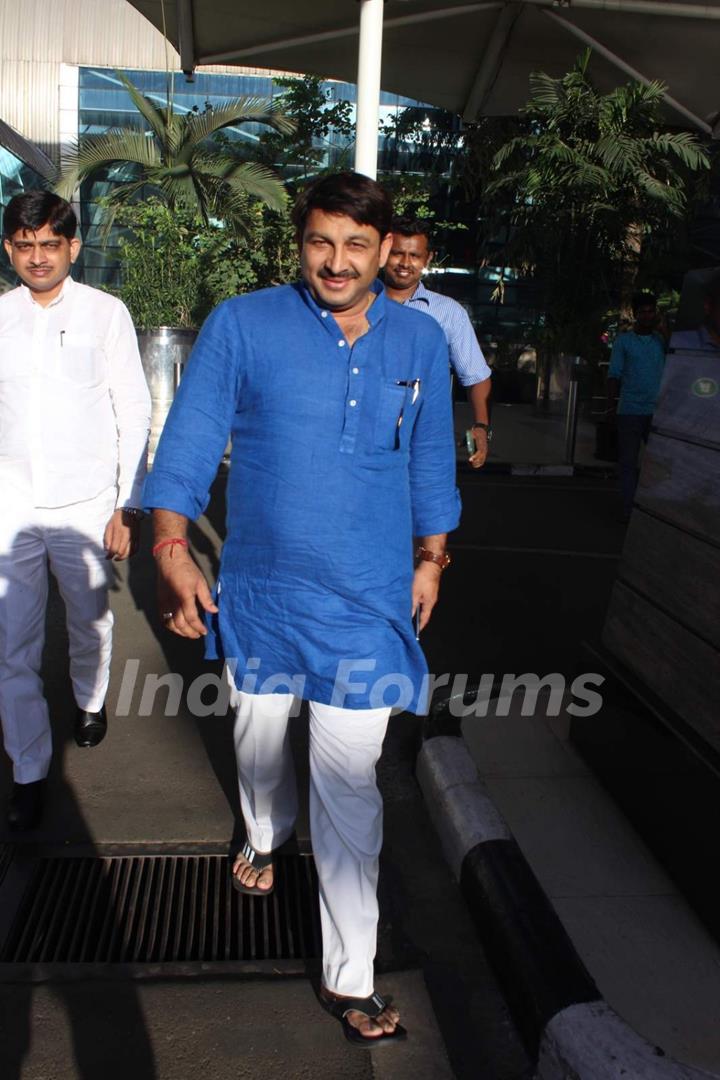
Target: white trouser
[70, 538]
[345, 816]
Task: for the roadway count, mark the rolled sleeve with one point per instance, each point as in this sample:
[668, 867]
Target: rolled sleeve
[435, 498]
[466, 356]
[199, 423]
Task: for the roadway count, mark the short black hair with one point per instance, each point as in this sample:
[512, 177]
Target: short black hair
[351, 193]
[408, 225]
[643, 299]
[33, 209]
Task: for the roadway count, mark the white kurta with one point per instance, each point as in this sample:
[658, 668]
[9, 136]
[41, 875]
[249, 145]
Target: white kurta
[74, 404]
[74, 422]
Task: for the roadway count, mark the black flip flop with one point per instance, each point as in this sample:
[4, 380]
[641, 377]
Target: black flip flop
[259, 861]
[372, 1007]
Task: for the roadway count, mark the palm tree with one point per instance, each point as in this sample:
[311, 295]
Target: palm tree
[593, 172]
[176, 160]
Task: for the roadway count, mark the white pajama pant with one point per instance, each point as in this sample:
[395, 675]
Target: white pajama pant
[345, 816]
[70, 539]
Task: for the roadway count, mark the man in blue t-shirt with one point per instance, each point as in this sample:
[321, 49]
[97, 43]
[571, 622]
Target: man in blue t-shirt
[636, 367]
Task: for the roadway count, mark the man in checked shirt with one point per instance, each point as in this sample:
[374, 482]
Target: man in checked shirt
[410, 254]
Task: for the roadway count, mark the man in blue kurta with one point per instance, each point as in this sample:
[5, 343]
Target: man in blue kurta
[338, 405]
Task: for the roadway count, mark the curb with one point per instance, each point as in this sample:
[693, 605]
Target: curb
[569, 1030]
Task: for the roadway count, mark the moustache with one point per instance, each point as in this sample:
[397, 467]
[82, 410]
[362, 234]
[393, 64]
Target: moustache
[349, 274]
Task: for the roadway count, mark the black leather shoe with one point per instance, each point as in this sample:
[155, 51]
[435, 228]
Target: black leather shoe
[90, 727]
[26, 805]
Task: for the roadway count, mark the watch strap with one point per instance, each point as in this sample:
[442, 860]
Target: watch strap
[483, 427]
[441, 559]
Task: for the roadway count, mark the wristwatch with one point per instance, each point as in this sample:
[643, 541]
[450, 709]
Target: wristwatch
[133, 512]
[484, 427]
[441, 559]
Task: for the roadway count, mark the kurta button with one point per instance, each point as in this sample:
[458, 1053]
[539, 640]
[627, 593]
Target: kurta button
[323, 314]
[353, 403]
[356, 371]
[341, 343]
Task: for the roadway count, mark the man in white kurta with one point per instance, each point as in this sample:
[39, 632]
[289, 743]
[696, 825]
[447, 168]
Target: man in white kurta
[74, 422]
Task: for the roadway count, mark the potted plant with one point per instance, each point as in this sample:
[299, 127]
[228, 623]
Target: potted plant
[161, 287]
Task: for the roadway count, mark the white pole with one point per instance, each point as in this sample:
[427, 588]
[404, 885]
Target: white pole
[368, 87]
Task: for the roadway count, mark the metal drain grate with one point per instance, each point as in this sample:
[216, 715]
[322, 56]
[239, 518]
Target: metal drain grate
[162, 909]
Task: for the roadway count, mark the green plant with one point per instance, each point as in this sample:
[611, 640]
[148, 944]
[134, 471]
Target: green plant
[582, 188]
[176, 267]
[160, 264]
[265, 256]
[301, 152]
[177, 161]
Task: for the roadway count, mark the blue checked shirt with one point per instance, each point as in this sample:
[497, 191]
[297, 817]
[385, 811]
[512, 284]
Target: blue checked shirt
[339, 455]
[466, 355]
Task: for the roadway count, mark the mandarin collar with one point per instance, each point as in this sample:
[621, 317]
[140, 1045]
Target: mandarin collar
[67, 288]
[375, 313]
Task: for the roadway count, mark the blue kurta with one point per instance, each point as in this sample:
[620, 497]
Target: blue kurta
[339, 456]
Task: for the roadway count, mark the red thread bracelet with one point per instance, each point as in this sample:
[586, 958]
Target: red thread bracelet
[170, 543]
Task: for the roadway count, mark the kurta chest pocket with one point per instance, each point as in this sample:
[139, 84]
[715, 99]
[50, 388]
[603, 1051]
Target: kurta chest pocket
[395, 417]
[80, 358]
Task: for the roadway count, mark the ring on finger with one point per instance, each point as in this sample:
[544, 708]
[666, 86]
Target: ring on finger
[167, 615]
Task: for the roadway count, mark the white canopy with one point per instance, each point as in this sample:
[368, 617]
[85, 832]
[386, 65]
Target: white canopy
[470, 58]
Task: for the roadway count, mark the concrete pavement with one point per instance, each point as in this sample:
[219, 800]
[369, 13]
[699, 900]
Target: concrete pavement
[534, 562]
[220, 1029]
[547, 552]
[166, 782]
[653, 960]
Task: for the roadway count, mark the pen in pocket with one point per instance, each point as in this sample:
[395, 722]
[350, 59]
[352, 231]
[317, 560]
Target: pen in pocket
[408, 383]
[414, 383]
